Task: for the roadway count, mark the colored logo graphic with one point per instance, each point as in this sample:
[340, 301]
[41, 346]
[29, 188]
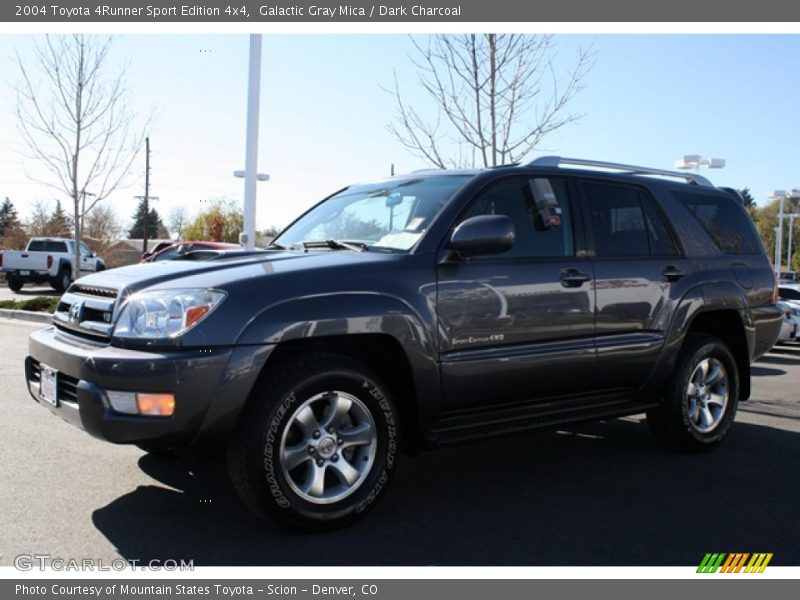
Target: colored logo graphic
[735, 562]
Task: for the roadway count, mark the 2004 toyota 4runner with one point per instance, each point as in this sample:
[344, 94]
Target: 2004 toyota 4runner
[422, 310]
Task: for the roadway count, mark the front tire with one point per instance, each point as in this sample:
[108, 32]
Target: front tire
[62, 280]
[317, 445]
[700, 401]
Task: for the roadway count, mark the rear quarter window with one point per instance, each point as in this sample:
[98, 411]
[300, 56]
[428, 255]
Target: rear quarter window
[724, 220]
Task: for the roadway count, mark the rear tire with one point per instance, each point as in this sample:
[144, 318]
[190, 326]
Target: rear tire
[699, 402]
[317, 445]
[14, 284]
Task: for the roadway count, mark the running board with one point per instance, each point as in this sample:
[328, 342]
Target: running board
[455, 429]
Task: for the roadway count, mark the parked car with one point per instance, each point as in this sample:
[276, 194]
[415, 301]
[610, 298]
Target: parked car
[787, 277]
[156, 249]
[420, 311]
[178, 249]
[47, 260]
[790, 328]
[789, 293]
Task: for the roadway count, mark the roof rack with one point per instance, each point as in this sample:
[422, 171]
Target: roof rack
[557, 161]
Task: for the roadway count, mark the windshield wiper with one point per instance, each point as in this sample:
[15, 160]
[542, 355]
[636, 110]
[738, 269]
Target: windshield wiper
[337, 245]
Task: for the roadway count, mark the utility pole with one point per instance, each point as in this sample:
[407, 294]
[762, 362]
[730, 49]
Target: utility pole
[84, 193]
[146, 196]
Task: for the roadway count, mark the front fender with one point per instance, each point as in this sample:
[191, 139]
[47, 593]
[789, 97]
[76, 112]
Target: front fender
[355, 313]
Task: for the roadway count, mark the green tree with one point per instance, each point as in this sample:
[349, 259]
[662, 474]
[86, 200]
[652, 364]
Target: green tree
[749, 203]
[8, 217]
[154, 224]
[59, 223]
[747, 197]
[13, 234]
[766, 220]
[222, 222]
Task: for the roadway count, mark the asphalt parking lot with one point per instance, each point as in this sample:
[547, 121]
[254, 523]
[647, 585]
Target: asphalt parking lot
[27, 292]
[602, 494]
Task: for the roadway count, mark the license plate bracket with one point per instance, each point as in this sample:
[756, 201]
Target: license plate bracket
[48, 385]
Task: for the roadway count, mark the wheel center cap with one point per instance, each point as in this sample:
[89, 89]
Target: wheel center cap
[327, 447]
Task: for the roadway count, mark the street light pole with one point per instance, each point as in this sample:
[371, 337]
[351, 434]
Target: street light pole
[791, 218]
[781, 196]
[779, 237]
[251, 144]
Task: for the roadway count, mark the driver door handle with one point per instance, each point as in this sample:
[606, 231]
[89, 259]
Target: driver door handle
[574, 278]
[670, 273]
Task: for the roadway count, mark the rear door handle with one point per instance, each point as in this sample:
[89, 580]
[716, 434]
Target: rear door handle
[573, 278]
[670, 273]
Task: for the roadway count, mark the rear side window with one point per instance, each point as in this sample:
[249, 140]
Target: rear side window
[724, 221]
[623, 222]
[47, 246]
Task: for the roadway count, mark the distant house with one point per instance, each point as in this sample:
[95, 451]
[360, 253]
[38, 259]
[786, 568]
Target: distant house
[127, 252]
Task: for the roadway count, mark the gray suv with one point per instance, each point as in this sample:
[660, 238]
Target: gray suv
[428, 309]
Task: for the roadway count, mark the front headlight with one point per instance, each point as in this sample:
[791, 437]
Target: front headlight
[165, 313]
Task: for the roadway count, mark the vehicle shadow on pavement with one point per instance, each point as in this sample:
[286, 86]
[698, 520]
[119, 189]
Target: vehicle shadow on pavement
[759, 371]
[37, 292]
[601, 494]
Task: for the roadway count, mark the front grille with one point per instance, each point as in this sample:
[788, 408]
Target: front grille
[90, 290]
[36, 371]
[67, 388]
[87, 311]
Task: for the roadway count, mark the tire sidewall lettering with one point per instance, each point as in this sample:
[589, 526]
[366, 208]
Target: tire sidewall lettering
[385, 421]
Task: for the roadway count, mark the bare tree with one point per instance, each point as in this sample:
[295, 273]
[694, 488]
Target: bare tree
[178, 220]
[496, 97]
[102, 226]
[40, 220]
[74, 116]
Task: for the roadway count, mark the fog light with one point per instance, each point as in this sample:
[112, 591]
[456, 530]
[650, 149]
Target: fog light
[156, 405]
[123, 402]
[151, 405]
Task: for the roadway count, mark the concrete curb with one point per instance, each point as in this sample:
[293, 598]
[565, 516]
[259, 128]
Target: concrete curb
[26, 315]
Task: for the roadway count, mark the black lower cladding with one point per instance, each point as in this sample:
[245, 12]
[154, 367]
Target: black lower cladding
[209, 386]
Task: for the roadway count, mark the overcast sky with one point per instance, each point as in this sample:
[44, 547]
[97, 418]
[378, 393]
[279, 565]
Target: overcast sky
[649, 99]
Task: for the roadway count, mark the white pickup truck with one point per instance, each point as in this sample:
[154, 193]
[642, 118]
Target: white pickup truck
[47, 260]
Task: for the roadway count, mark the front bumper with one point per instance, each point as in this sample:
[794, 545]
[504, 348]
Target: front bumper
[210, 387]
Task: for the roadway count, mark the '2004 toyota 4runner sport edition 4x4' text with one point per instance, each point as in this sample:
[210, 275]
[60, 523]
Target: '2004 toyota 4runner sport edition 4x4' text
[427, 309]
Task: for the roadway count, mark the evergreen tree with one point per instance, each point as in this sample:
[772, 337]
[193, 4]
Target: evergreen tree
[59, 223]
[154, 224]
[747, 197]
[8, 217]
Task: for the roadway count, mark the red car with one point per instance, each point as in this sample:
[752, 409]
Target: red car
[179, 249]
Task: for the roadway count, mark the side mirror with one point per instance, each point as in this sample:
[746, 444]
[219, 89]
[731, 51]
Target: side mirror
[484, 234]
[393, 200]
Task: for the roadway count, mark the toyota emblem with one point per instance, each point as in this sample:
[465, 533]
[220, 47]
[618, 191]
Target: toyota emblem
[76, 313]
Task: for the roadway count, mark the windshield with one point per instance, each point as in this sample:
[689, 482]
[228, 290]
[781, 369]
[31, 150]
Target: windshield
[390, 215]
